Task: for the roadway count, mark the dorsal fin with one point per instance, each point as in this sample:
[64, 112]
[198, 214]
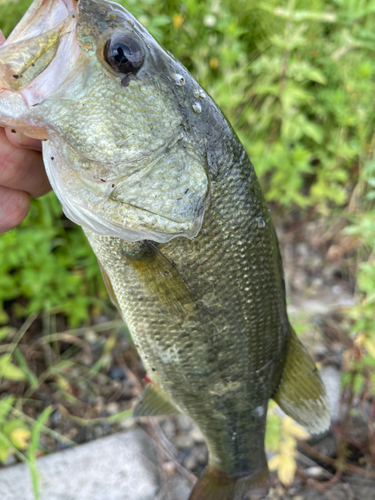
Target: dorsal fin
[152, 402]
[301, 393]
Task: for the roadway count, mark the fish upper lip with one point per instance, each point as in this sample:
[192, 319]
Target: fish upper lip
[40, 30]
[33, 60]
[42, 16]
[19, 59]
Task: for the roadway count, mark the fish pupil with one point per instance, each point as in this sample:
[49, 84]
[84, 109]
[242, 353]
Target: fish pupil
[119, 53]
[123, 54]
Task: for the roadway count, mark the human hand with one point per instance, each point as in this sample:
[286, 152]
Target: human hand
[22, 175]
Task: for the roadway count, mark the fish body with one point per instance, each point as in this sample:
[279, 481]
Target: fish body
[143, 159]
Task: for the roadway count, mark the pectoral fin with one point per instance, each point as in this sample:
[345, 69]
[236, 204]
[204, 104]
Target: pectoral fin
[109, 286]
[301, 393]
[152, 402]
[162, 279]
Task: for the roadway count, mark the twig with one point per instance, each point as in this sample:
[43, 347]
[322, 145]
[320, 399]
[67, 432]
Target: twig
[110, 325]
[310, 463]
[21, 332]
[316, 454]
[334, 462]
[101, 420]
[333, 479]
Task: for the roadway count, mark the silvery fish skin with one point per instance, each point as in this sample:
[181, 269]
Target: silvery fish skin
[147, 164]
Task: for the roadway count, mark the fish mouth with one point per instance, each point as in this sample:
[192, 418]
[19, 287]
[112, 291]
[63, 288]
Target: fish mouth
[34, 57]
[41, 17]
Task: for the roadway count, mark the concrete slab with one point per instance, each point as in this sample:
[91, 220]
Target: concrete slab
[118, 467]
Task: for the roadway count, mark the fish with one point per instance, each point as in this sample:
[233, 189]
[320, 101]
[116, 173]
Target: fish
[143, 159]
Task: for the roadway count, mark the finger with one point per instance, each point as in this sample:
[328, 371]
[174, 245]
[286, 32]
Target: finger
[14, 206]
[22, 169]
[20, 140]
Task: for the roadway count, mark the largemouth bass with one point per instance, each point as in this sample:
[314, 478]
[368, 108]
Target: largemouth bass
[142, 158]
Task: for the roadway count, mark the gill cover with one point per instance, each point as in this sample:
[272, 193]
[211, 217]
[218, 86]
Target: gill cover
[118, 155]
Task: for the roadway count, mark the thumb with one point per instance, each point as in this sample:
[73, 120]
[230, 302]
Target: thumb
[20, 140]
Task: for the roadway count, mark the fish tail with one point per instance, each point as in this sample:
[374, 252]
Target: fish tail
[216, 485]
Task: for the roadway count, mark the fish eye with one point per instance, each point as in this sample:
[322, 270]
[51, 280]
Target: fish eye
[123, 54]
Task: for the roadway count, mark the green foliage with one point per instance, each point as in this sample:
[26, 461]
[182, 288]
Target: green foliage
[10, 371]
[14, 434]
[48, 262]
[363, 330]
[11, 12]
[16, 437]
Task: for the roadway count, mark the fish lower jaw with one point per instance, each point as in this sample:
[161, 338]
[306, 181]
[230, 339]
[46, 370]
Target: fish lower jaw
[14, 114]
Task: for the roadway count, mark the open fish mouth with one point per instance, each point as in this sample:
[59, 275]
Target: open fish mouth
[41, 17]
[40, 51]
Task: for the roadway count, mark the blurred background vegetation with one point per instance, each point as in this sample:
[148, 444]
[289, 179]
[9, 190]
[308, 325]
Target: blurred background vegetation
[297, 81]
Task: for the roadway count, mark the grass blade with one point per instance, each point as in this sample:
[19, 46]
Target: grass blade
[35, 435]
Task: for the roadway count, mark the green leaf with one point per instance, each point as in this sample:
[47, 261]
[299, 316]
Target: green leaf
[10, 371]
[317, 76]
[4, 332]
[10, 426]
[313, 131]
[5, 449]
[20, 437]
[6, 406]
